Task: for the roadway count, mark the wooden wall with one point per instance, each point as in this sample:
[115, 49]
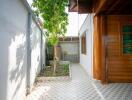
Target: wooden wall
[109, 62]
[96, 50]
[99, 69]
[119, 66]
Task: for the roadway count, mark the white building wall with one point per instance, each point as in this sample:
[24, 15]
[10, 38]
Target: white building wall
[87, 60]
[13, 50]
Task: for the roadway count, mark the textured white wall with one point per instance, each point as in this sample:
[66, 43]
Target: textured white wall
[13, 50]
[87, 60]
[13, 24]
[35, 52]
[70, 48]
[43, 50]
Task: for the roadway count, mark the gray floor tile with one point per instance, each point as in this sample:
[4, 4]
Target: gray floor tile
[81, 88]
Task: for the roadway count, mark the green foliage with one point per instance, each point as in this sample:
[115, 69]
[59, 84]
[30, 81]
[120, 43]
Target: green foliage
[66, 68]
[54, 16]
[62, 70]
[49, 53]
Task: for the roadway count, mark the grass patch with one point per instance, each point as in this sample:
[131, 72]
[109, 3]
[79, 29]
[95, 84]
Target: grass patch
[61, 70]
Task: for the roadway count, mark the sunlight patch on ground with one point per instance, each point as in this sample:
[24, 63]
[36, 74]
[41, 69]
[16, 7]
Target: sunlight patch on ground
[36, 94]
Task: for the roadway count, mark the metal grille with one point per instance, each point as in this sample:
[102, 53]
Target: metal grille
[71, 58]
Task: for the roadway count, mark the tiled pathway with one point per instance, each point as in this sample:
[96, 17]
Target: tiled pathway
[114, 91]
[81, 88]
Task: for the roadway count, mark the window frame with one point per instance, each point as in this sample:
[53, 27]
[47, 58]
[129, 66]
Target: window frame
[122, 41]
[83, 43]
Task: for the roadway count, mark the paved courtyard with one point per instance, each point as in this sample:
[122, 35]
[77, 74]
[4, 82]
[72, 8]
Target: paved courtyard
[81, 88]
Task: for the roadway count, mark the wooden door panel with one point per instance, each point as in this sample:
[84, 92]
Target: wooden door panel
[119, 65]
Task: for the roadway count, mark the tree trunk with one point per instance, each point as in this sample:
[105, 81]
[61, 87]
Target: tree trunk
[55, 58]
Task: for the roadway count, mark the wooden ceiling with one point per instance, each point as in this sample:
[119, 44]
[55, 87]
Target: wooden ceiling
[83, 6]
[123, 7]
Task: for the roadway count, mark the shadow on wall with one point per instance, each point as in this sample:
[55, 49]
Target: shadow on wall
[35, 48]
[18, 71]
[35, 35]
[18, 53]
[12, 62]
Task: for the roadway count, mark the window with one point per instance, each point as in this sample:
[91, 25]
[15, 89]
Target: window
[127, 39]
[83, 43]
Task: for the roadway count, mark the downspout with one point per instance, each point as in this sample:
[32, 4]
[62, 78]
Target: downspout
[28, 52]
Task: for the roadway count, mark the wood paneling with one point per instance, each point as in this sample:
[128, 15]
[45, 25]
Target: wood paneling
[119, 65]
[99, 69]
[109, 62]
[97, 49]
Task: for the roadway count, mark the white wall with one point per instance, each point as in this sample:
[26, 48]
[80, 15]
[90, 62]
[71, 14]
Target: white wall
[69, 47]
[35, 52]
[43, 50]
[13, 50]
[86, 60]
[13, 23]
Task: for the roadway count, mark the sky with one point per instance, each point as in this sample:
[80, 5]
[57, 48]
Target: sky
[75, 22]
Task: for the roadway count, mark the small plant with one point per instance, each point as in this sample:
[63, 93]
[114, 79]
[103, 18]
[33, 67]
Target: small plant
[66, 68]
[62, 70]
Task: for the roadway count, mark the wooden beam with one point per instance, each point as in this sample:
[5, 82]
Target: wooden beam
[72, 6]
[84, 9]
[84, 6]
[73, 3]
[113, 6]
[75, 9]
[100, 5]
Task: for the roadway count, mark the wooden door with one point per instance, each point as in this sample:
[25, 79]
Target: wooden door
[119, 61]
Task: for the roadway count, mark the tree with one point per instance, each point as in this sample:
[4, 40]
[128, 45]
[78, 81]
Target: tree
[55, 20]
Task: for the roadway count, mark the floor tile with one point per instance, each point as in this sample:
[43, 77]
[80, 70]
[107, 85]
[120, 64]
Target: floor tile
[81, 88]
